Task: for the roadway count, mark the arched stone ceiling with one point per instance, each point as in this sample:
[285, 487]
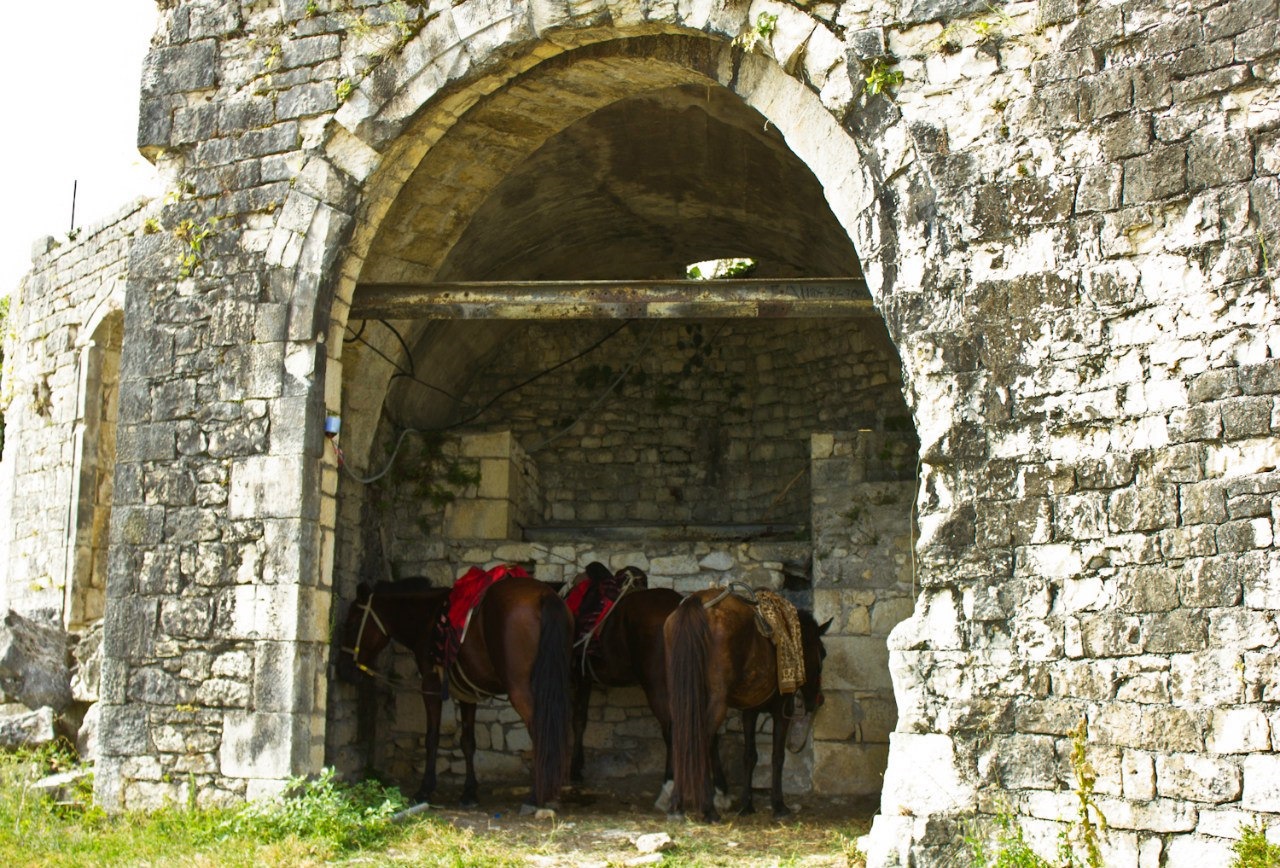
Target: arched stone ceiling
[609, 162]
[642, 187]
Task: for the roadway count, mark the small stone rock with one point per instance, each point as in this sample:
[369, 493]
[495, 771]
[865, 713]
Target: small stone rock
[654, 842]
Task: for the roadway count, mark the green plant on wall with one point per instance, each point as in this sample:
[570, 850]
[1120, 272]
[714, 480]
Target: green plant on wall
[194, 235]
[757, 33]
[879, 78]
[435, 477]
[1008, 848]
[1253, 850]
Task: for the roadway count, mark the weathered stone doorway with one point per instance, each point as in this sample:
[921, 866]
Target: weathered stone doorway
[795, 468]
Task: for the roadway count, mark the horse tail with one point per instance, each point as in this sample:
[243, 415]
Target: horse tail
[551, 710]
[687, 639]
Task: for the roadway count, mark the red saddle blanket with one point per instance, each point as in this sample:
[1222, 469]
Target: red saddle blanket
[596, 592]
[468, 590]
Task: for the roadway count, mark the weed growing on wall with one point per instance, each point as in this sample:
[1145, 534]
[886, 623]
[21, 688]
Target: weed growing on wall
[757, 33]
[194, 235]
[880, 78]
[1079, 845]
[1253, 850]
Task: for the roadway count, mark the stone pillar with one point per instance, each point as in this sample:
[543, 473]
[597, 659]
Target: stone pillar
[862, 496]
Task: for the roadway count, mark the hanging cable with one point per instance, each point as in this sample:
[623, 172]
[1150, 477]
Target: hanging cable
[644, 345]
[478, 413]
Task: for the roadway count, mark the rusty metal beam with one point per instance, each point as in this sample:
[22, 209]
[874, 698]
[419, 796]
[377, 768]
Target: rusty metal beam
[626, 299]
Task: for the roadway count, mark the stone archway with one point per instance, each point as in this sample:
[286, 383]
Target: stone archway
[497, 153]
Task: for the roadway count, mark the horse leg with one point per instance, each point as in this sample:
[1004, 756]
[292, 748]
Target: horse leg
[581, 706]
[522, 703]
[432, 701]
[750, 755]
[469, 786]
[781, 723]
[720, 781]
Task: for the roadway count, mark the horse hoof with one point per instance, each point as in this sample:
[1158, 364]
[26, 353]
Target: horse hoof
[781, 813]
[468, 804]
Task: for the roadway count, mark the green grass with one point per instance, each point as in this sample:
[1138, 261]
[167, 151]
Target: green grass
[314, 822]
[325, 822]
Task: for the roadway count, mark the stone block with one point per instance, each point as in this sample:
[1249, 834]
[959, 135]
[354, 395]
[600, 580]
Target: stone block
[1157, 815]
[1238, 730]
[495, 444]
[943, 790]
[21, 727]
[1143, 508]
[1146, 589]
[122, 730]
[1261, 790]
[1019, 762]
[1197, 850]
[257, 745]
[1197, 778]
[1137, 776]
[481, 519]
[270, 486]
[849, 769]
[1211, 678]
[1158, 175]
[33, 663]
[180, 68]
[1209, 582]
[1216, 159]
[856, 663]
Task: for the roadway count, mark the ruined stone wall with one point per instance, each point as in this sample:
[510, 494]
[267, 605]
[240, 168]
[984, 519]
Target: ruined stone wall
[1066, 212]
[74, 286]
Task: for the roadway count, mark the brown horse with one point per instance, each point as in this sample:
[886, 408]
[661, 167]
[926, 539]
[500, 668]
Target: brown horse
[517, 644]
[622, 649]
[717, 659]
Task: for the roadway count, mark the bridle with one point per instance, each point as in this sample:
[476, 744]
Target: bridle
[368, 613]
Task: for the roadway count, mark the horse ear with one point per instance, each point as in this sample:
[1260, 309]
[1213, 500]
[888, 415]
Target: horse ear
[824, 627]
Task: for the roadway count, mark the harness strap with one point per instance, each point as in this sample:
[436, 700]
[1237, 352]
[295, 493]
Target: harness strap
[747, 594]
[585, 641]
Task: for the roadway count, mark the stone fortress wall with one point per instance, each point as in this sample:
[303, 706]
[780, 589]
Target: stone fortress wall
[1065, 211]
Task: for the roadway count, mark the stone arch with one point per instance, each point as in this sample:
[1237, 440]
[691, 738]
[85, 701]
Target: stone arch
[94, 447]
[847, 169]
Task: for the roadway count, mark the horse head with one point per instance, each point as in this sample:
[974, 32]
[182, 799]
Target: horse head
[810, 693]
[364, 635]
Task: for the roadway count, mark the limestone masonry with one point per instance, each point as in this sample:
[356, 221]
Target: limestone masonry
[1033, 479]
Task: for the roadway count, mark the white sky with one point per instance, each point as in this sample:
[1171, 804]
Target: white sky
[71, 72]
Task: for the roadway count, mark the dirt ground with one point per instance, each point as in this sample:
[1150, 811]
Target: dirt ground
[600, 826]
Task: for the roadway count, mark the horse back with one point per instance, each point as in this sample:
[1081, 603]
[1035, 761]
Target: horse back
[502, 640]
